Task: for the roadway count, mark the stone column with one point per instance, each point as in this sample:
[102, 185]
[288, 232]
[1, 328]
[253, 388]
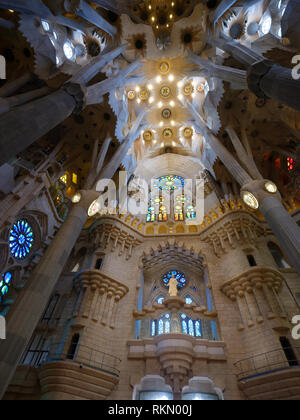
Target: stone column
[6, 104]
[87, 12]
[26, 313]
[284, 227]
[267, 79]
[140, 304]
[28, 309]
[12, 87]
[24, 125]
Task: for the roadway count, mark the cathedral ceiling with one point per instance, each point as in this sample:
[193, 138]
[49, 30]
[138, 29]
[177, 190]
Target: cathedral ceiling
[161, 35]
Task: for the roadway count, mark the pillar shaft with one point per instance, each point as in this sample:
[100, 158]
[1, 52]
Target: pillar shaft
[229, 161]
[140, 304]
[12, 87]
[6, 104]
[284, 227]
[279, 84]
[24, 125]
[29, 307]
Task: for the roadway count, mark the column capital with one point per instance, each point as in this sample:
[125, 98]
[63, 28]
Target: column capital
[78, 92]
[255, 73]
[259, 190]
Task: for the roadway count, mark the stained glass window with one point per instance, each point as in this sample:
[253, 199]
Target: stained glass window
[290, 163]
[151, 216]
[188, 300]
[169, 183]
[167, 327]
[198, 329]
[180, 277]
[163, 325]
[64, 179]
[160, 327]
[157, 210]
[5, 282]
[184, 324]
[191, 327]
[21, 239]
[190, 212]
[179, 208]
[153, 328]
[160, 300]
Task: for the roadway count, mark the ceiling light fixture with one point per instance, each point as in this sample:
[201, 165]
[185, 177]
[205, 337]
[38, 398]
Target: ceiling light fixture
[76, 199]
[250, 200]
[271, 187]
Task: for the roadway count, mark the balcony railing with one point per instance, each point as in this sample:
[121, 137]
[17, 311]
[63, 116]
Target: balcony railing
[265, 363]
[85, 356]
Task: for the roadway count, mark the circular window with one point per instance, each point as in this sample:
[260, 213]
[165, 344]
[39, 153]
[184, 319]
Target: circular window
[169, 182]
[180, 277]
[21, 239]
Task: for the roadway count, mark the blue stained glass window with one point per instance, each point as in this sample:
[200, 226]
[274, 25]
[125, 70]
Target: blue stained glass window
[198, 329]
[160, 300]
[163, 325]
[180, 277]
[191, 327]
[153, 328]
[167, 327]
[4, 284]
[188, 300]
[184, 327]
[160, 327]
[21, 239]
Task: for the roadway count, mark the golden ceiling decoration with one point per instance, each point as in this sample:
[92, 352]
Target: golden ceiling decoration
[144, 94]
[164, 67]
[148, 136]
[188, 132]
[131, 95]
[167, 133]
[188, 89]
[166, 113]
[165, 91]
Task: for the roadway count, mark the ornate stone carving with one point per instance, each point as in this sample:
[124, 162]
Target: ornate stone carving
[257, 297]
[99, 296]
